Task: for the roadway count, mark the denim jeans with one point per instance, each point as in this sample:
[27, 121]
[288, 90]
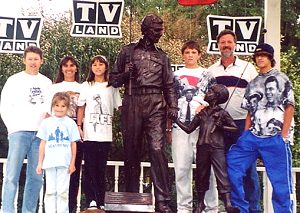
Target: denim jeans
[22, 144]
[251, 180]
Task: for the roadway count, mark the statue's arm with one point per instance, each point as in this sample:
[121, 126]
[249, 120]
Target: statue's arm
[118, 76]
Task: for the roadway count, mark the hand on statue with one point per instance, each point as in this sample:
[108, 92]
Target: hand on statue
[132, 69]
[200, 108]
[173, 113]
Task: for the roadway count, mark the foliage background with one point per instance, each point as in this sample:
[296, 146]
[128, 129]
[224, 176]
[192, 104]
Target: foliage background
[181, 23]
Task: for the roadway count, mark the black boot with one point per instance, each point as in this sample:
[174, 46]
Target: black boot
[229, 208]
[163, 207]
[201, 206]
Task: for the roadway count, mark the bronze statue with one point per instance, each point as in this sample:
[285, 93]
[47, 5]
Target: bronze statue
[212, 122]
[150, 96]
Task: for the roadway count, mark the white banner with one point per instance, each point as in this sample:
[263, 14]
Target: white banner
[97, 18]
[18, 33]
[247, 29]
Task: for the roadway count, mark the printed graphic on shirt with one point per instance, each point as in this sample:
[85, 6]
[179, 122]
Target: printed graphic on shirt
[191, 85]
[185, 81]
[265, 99]
[73, 104]
[59, 133]
[36, 96]
[58, 138]
[100, 115]
[187, 105]
[199, 83]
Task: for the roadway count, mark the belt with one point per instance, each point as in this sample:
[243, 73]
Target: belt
[143, 91]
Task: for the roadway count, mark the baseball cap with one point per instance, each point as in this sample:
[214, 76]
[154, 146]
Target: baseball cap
[264, 48]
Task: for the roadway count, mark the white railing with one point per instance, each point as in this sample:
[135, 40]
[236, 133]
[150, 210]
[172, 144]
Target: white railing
[267, 188]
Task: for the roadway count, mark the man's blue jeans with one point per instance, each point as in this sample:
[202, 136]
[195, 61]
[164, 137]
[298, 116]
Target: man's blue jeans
[22, 144]
[251, 180]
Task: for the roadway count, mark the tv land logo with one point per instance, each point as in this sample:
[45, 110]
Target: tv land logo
[247, 29]
[18, 33]
[97, 18]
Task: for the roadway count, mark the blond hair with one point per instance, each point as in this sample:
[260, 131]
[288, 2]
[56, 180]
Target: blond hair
[61, 96]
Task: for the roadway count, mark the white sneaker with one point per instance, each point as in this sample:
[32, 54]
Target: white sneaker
[93, 205]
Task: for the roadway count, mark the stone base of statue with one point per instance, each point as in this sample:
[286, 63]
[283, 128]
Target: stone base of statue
[128, 202]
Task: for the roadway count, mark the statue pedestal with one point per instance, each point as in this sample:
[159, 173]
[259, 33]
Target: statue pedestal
[128, 202]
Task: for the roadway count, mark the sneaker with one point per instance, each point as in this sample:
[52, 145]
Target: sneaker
[102, 209]
[93, 205]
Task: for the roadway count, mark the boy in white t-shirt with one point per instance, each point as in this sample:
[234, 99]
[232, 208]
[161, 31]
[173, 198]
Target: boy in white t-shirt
[190, 78]
[57, 153]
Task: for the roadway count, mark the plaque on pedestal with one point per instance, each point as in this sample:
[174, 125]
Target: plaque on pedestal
[128, 202]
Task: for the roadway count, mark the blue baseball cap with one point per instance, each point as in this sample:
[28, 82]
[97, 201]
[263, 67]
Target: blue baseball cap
[264, 48]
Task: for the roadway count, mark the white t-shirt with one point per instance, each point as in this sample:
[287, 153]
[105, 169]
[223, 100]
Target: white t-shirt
[58, 134]
[73, 89]
[240, 69]
[99, 101]
[23, 101]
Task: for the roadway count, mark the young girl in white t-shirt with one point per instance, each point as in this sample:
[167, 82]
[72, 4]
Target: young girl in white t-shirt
[96, 103]
[57, 153]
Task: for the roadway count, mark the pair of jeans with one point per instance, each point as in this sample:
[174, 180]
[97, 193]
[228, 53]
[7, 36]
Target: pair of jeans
[57, 190]
[184, 155]
[22, 144]
[251, 180]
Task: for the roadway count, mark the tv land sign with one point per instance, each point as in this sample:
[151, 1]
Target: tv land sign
[91, 18]
[18, 33]
[101, 18]
[247, 29]
[97, 18]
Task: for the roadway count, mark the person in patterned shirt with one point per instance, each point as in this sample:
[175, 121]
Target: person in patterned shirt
[268, 133]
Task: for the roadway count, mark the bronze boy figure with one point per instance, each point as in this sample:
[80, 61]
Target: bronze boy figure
[212, 122]
[146, 74]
